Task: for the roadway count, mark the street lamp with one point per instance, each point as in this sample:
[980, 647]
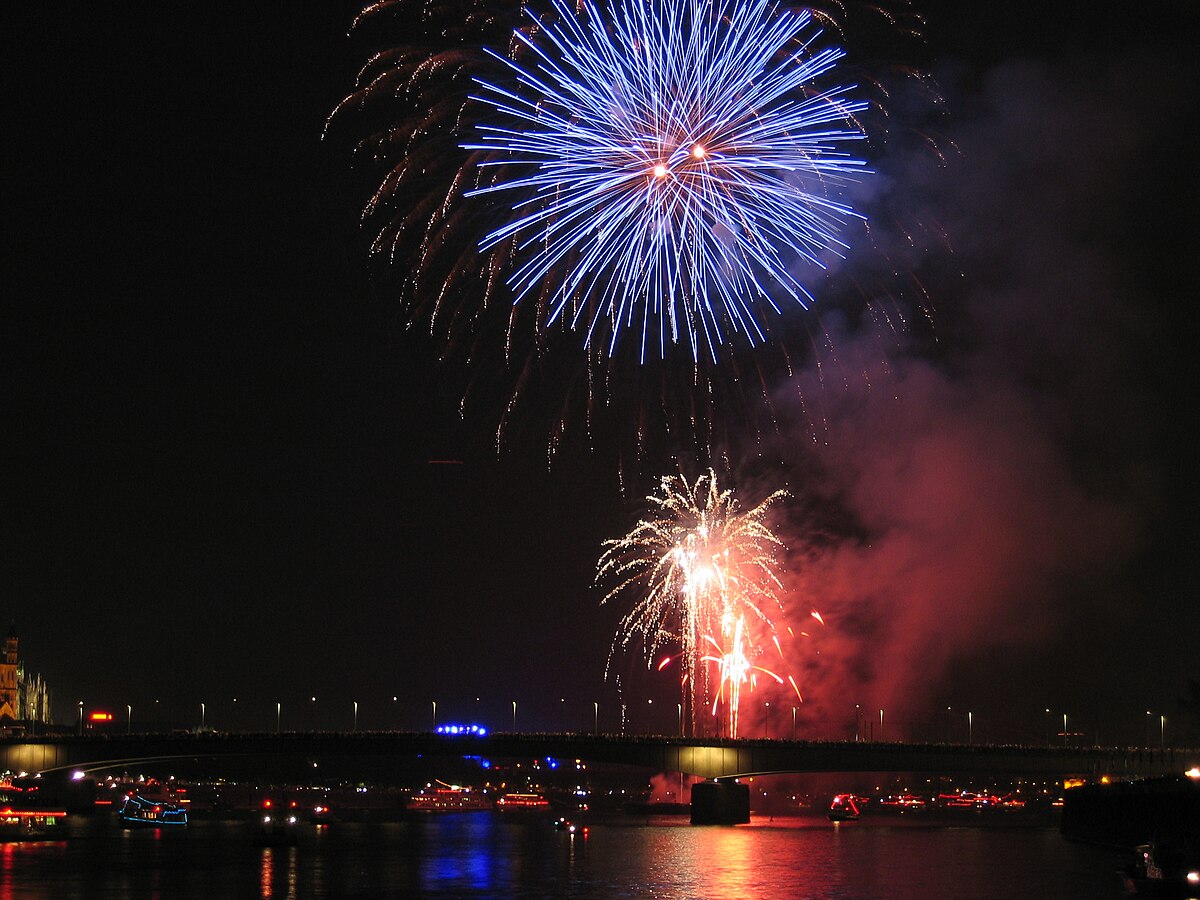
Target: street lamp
[1147, 744]
[595, 717]
[201, 716]
[1047, 726]
[970, 728]
[766, 715]
[856, 720]
[81, 718]
[514, 703]
[278, 712]
[881, 725]
[793, 723]
[128, 718]
[434, 714]
[679, 717]
[1064, 729]
[356, 715]
[1162, 734]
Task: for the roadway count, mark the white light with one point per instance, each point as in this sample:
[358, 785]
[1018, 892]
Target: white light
[77, 776]
[1193, 877]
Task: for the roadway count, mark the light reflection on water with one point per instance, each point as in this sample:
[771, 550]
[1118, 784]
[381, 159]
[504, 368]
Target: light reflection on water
[489, 855]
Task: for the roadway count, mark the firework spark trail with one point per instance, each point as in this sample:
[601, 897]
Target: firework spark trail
[696, 567]
[676, 162]
[735, 669]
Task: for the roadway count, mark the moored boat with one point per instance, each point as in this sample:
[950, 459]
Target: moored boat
[448, 798]
[522, 803]
[31, 824]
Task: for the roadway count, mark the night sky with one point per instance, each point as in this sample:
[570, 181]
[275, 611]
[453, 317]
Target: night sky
[230, 470]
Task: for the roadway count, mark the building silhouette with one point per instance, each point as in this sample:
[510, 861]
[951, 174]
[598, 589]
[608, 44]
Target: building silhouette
[24, 699]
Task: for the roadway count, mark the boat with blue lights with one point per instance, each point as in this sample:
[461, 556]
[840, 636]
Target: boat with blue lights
[140, 812]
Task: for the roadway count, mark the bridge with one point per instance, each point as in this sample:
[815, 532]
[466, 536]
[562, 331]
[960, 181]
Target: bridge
[371, 755]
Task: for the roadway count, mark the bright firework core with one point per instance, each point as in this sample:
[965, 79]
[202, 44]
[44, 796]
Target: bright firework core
[718, 103]
[705, 579]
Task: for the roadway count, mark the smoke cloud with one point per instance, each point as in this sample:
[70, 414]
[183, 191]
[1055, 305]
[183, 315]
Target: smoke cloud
[990, 487]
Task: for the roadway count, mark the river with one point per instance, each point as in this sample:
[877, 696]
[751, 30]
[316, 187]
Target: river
[486, 854]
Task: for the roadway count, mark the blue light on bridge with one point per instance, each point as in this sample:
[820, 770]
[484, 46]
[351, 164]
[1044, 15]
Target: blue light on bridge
[478, 730]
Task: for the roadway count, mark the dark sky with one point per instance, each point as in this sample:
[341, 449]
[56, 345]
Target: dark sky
[219, 435]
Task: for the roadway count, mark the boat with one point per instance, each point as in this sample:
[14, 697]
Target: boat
[1169, 866]
[562, 823]
[522, 803]
[31, 824]
[448, 798]
[23, 815]
[277, 828]
[138, 812]
[846, 807]
[321, 815]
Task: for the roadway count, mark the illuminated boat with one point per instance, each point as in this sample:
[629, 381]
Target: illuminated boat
[846, 807]
[522, 803]
[903, 802]
[562, 823]
[31, 824]
[1167, 867]
[277, 827]
[138, 812]
[448, 798]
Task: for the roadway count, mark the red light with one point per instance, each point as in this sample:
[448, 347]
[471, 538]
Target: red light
[101, 717]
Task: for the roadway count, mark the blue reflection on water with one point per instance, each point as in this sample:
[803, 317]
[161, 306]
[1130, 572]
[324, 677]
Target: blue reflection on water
[465, 853]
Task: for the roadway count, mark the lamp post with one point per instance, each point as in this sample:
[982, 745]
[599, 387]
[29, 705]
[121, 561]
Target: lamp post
[356, 715]
[514, 703]
[970, 727]
[679, 717]
[278, 714]
[1047, 721]
[793, 723]
[1064, 729]
[201, 716]
[856, 720]
[595, 717]
[1147, 744]
[766, 715]
[128, 718]
[881, 726]
[1162, 734]
[81, 718]
[434, 714]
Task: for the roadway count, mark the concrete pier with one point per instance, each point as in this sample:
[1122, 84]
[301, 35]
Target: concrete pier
[720, 803]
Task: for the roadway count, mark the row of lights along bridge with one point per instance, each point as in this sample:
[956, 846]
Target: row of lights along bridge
[864, 722]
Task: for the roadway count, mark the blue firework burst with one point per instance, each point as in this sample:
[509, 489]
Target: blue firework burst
[674, 168]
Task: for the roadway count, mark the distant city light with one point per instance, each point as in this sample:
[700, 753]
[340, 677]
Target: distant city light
[478, 730]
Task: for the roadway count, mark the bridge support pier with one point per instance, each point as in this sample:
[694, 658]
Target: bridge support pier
[720, 803]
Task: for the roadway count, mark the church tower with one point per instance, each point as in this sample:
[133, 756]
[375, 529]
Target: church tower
[8, 677]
